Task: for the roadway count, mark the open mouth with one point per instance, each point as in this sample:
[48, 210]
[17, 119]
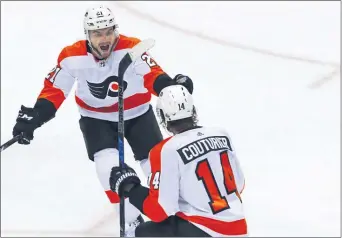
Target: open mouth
[104, 47]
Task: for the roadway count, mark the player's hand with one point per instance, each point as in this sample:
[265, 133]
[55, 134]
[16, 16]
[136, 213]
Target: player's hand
[27, 122]
[184, 81]
[123, 180]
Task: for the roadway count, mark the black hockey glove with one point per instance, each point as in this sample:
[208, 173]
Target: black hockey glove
[184, 81]
[123, 180]
[27, 121]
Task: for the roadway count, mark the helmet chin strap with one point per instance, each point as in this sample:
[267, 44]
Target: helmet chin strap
[94, 49]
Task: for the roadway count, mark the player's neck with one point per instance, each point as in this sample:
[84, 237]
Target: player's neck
[185, 129]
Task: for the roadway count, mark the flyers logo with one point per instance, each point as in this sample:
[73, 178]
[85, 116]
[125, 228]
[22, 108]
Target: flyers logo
[109, 87]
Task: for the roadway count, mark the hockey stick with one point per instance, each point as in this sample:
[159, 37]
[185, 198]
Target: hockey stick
[10, 142]
[132, 55]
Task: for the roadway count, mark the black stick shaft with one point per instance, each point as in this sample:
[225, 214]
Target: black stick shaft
[9, 143]
[123, 65]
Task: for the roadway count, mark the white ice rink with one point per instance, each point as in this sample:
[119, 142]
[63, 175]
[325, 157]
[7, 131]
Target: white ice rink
[280, 104]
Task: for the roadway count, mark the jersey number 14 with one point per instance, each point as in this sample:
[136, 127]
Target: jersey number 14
[218, 203]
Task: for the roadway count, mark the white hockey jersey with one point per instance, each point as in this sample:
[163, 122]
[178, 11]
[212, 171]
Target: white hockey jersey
[97, 86]
[196, 175]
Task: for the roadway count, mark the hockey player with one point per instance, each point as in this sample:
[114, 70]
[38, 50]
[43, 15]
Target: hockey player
[195, 178]
[93, 63]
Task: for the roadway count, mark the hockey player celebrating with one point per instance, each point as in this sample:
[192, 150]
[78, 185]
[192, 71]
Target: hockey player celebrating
[195, 178]
[93, 63]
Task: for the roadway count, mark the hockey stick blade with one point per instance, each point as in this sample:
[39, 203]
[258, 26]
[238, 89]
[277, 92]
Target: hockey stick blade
[140, 48]
[134, 54]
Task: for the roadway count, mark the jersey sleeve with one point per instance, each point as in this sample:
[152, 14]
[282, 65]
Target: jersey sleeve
[162, 200]
[155, 79]
[236, 167]
[58, 83]
[238, 174]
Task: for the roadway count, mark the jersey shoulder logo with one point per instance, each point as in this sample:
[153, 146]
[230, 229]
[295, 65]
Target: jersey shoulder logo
[149, 60]
[109, 87]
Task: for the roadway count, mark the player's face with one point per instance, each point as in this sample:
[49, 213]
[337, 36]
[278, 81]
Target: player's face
[102, 41]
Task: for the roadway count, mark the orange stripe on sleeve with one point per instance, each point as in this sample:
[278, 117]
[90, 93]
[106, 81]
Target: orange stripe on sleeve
[54, 95]
[112, 196]
[151, 207]
[150, 77]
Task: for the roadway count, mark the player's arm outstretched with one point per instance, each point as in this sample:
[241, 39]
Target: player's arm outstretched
[57, 85]
[160, 200]
[155, 79]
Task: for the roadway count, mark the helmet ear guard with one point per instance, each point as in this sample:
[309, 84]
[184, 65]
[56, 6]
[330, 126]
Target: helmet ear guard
[161, 117]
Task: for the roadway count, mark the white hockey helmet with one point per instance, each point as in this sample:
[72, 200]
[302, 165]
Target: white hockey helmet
[175, 103]
[98, 17]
